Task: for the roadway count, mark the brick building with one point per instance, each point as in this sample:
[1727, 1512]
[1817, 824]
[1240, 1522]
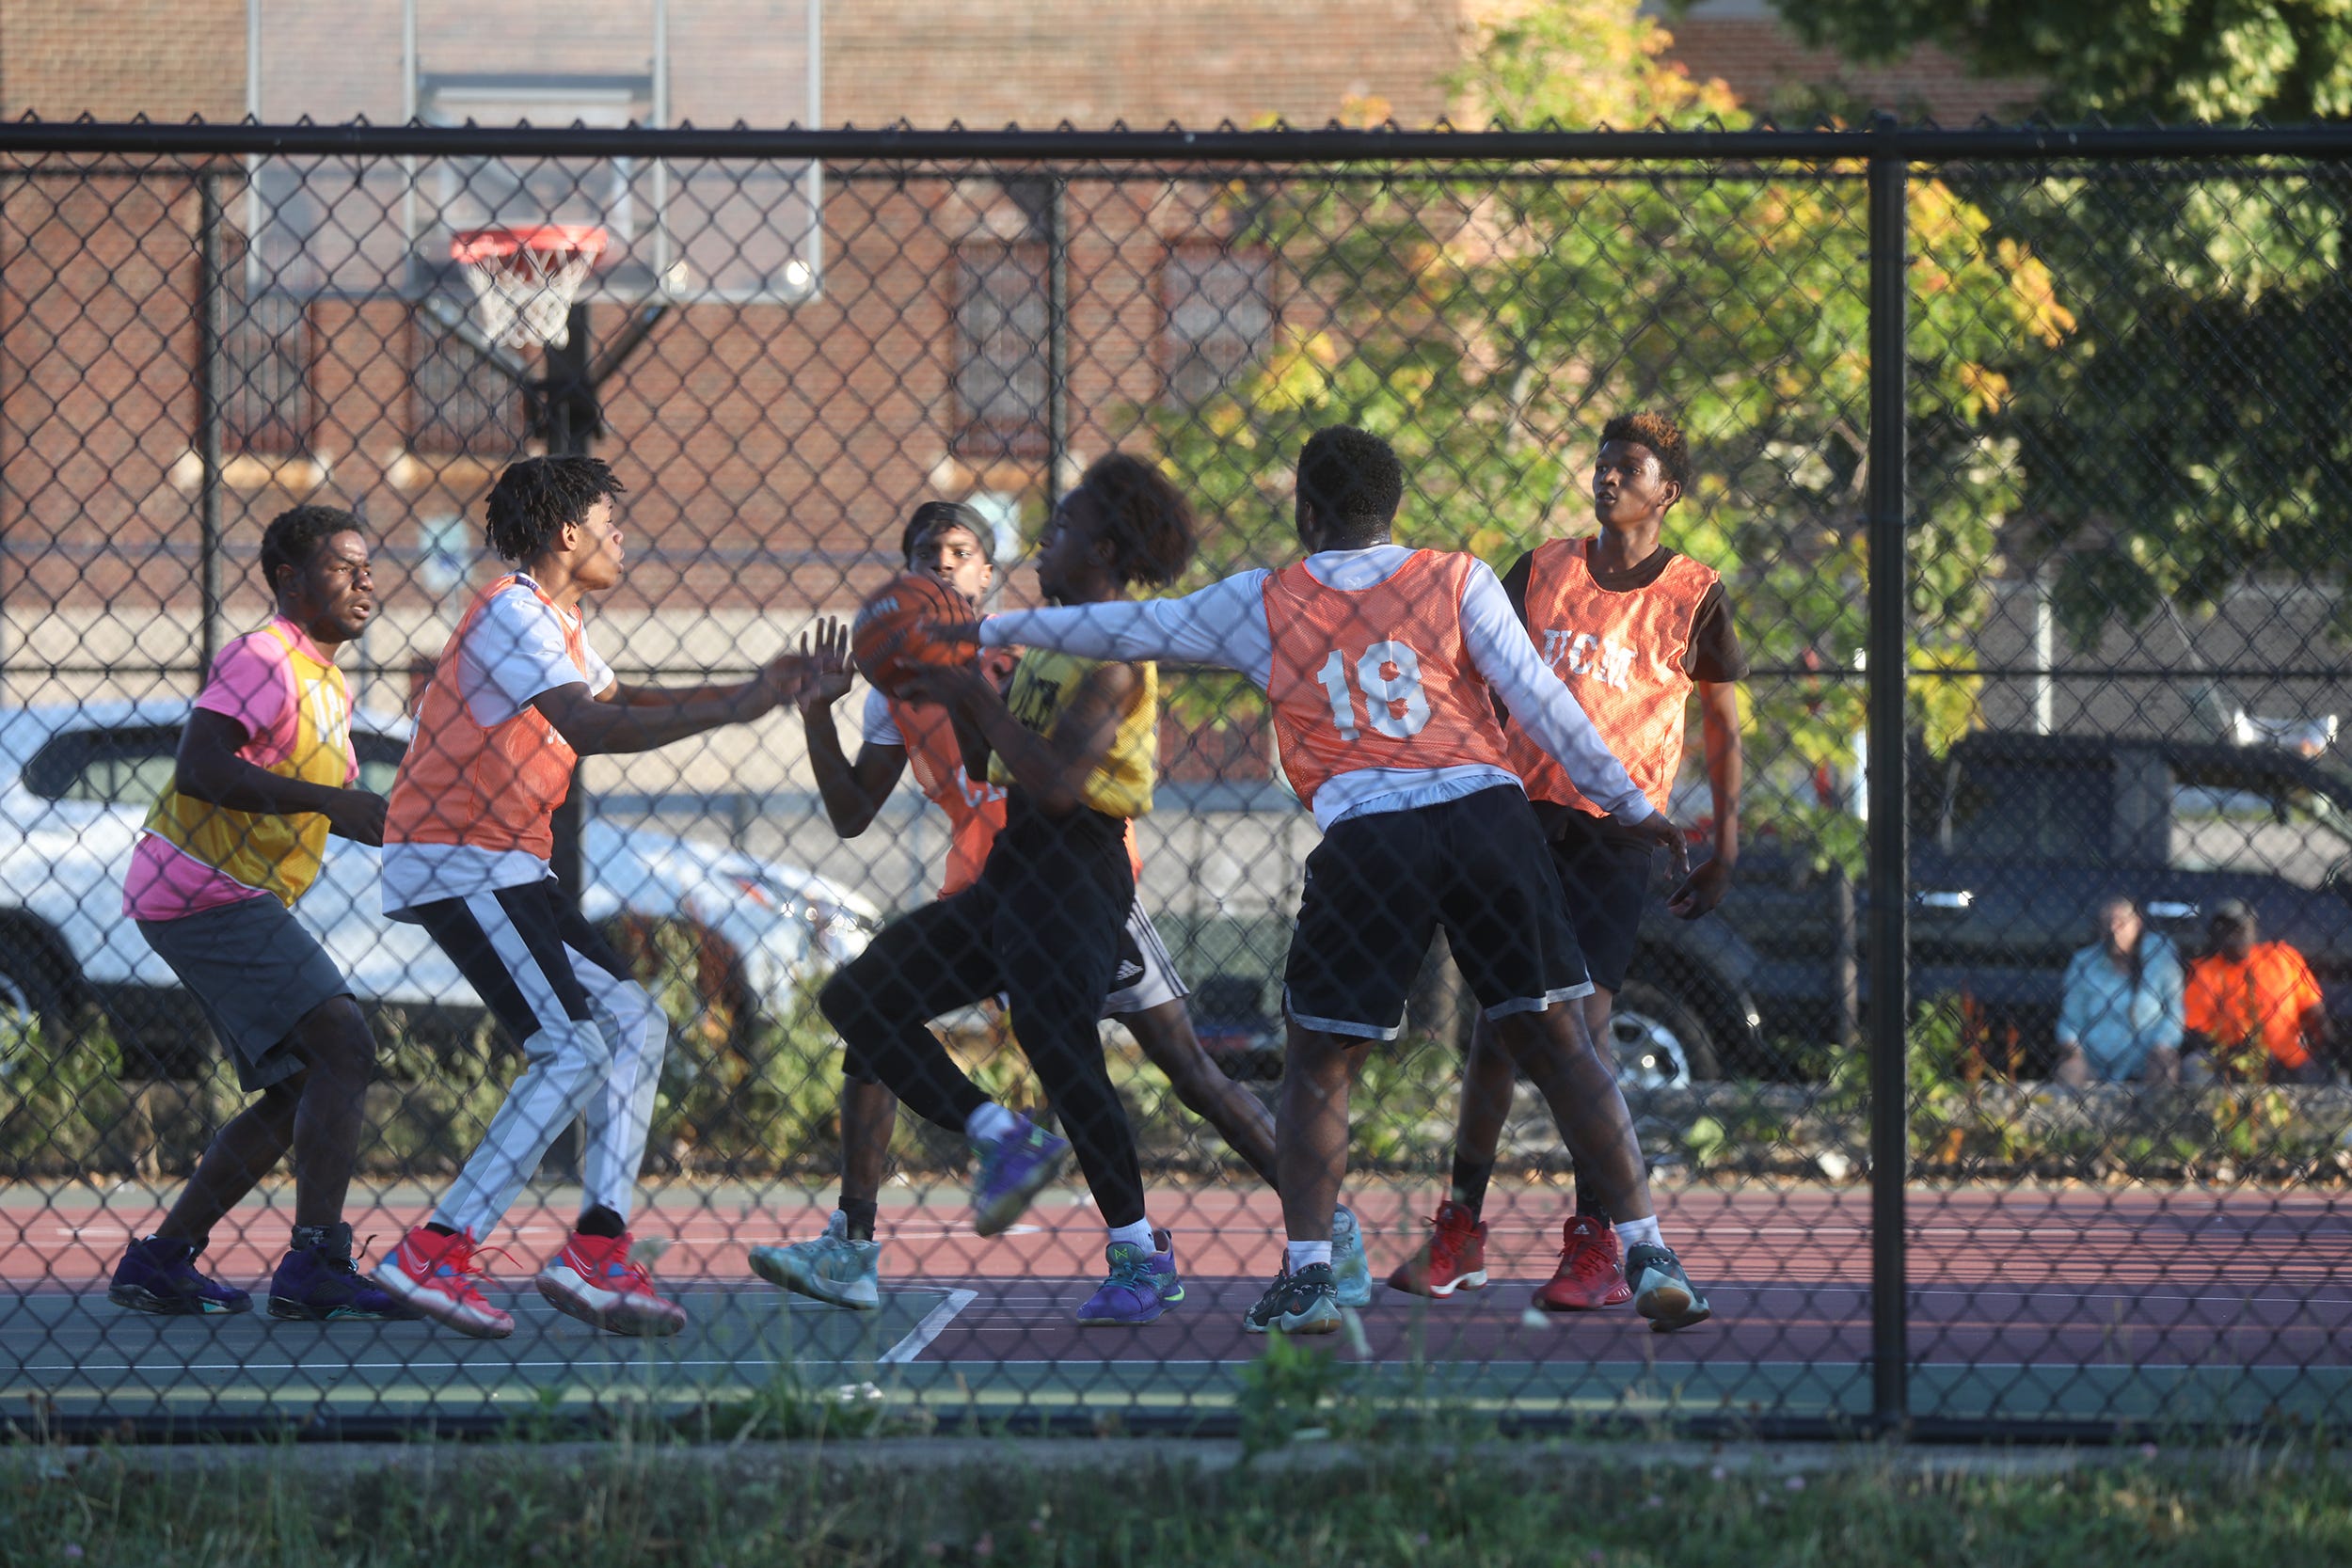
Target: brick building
[769, 446]
[989, 62]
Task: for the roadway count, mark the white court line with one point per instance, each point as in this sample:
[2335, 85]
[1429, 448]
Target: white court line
[929, 1329]
[2057, 1236]
[2233, 1299]
[117, 1233]
[1998, 1293]
[2328, 1291]
[913, 1344]
[1758, 1289]
[1845, 1371]
[1065, 1362]
[576, 1363]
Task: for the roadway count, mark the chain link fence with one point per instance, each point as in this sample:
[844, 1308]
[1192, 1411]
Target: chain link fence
[2020, 456]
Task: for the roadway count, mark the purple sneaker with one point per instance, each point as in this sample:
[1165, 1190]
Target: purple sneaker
[1013, 1170]
[1164, 1268]
[317, 1282]
[160, 1276]
[1136, 1291]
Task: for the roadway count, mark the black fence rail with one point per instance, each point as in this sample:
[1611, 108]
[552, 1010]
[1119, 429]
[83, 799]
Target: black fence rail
[2001, 1093]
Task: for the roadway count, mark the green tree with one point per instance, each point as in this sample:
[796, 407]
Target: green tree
[1488, 321]
[2193, 429]
[2171, 60]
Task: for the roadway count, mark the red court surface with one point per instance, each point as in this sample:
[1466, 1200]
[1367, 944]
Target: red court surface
[2031, 1304]
[2172, 1269]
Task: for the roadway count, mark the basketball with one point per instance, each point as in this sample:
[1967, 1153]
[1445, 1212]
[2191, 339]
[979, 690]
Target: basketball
[887, 637]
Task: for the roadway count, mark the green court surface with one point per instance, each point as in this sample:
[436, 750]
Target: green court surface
[91, 1359]
[82, 1359]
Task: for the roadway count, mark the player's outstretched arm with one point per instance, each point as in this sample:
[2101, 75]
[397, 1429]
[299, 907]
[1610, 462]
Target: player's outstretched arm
[209, 769]
[853, 792]
[1498, 645]
[621, 719]
[1051, 770]
[1223, 624]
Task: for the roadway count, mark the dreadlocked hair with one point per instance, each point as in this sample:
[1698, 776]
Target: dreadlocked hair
[1145, 517]
[534, 498]
[1661, 434]
[294, 536]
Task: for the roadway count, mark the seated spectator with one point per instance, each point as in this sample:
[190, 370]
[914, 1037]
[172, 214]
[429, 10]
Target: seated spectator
[2121, 1019]
[2252, 1008]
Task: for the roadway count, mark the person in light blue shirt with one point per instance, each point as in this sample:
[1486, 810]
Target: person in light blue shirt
[2121, 1019]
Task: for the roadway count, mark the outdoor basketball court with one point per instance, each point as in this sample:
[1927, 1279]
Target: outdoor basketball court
[2027, 1307]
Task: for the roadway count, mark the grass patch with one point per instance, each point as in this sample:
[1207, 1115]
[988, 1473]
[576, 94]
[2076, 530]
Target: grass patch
[873, 1504]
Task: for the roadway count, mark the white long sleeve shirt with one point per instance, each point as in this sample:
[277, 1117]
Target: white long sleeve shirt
[1225, 625]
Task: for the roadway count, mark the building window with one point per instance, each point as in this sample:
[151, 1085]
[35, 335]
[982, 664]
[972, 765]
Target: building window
[1218, 308]
[1001, 306]
[459, 402]
[266, 351]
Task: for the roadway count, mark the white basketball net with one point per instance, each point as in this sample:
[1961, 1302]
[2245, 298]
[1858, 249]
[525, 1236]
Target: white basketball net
[524, 281]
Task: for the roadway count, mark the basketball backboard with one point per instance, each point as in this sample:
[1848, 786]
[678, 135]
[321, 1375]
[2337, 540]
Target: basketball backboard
[678, 230]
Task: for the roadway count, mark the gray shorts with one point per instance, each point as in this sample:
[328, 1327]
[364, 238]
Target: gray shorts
[256, 974]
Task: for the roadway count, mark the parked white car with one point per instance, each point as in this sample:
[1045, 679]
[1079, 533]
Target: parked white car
[75, 782]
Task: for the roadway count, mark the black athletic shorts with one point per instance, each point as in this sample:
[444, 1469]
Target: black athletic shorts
[1380, 885]
[1606, 878]
[528, 952]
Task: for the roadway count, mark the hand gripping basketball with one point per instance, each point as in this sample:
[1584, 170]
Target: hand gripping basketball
[890, 637]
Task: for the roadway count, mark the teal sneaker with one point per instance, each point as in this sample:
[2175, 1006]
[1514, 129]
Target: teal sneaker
[1661, 1291]
[1301, 1303]
[1351, 1269]
[832, 1268]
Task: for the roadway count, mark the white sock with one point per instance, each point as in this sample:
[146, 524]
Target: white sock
[989, 1123]
[1138, 1234]
[1633, 1233]
[1305, 1255]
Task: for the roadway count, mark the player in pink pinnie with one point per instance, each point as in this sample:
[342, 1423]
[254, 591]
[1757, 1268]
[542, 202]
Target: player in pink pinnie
[263, 776]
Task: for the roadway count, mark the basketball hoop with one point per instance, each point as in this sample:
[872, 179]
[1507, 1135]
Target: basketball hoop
[525, 278]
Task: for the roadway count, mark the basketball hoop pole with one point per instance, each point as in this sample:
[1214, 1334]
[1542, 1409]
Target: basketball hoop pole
[566, 403]
[563, 411]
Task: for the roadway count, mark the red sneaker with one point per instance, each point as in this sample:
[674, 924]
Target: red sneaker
[1454, 1258]
[595, 1279]
[1591, 1275]
[436, 1274]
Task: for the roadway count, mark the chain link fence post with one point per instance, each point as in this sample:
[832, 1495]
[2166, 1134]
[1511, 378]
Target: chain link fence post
[1889, 934]
[208, 412]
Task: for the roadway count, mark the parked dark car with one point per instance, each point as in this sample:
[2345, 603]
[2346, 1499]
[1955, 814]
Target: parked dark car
[2014, 840]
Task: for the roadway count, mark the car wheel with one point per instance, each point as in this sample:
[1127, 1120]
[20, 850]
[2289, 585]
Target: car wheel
[32, 996]
[1657, 1041]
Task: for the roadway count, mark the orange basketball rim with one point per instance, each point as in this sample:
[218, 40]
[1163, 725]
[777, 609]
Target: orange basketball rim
[526, 277]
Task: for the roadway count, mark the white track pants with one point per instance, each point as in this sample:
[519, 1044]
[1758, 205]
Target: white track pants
[593, 1044]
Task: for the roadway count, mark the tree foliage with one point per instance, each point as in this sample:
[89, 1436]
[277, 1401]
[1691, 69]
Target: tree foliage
[2192, 432]
[2170, 59]
[1490, 321]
